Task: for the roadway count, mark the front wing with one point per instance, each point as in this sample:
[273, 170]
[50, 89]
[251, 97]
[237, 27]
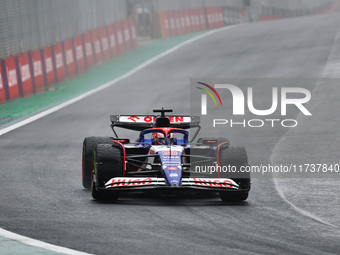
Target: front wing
[122, 183]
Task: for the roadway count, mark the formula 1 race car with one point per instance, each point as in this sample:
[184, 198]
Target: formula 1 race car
[163, 158]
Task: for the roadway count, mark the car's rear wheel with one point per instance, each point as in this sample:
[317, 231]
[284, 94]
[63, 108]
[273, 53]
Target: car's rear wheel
[89, 145]
[205, 147]
[232, 160]
[107, 164]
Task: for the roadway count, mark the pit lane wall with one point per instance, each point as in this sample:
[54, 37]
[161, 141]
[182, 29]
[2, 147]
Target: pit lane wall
[43, 42]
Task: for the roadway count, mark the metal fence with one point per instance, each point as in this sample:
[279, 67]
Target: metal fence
[164, 5]
[31, 24]
[287, 8]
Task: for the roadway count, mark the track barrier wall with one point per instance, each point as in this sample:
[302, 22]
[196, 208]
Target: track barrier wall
[2, 88]
[68, 55]
[105, 43]
[126, 34]
[96, 45]
[133, 33]
[113, 40]
[89, 54]
[79, 50]
[24, 74]
[120, 39]
[179, 22]
[48, 67]
[37, 70]
[34, 70]
[58, 62]
[11, 79]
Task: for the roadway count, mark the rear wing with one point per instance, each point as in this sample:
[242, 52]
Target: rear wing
[142, 122]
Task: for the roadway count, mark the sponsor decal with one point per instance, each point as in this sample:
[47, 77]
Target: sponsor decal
[214, 182]
[69, 57]
[112, 41]
[105, 43]
[172, 168]
[192, 20]
[133, 182]
[210, 141]
[170, 153]
[134, 118]
[152, 119]
[178, 24]
[37, 68]
[59, 60]
[120, 37]
[183, 21]
[170, 157]
[115, 182]
[88, 49]
[202, 19]
[209, 18]
[172, 23]
[12, 78]
[197, 20]
[79, 52]
[25, 73]
[174, 164]
[122, 140]
[97, 46]
[127, 34]
[188, 21]
[49, 66]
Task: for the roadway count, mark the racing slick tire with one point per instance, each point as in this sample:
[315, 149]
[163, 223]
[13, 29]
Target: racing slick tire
[232, 158]
[89, 145]
[108, 163]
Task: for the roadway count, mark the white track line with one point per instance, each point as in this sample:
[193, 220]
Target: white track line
[331, 70]
[40, 244]
[47, 246]
[299, 210]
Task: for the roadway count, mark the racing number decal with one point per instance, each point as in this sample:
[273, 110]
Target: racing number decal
[168, 153]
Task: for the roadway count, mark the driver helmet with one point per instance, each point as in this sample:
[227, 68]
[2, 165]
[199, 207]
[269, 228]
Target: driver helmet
[158, 138]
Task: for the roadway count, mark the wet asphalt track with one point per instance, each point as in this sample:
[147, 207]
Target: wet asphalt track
[40, 178]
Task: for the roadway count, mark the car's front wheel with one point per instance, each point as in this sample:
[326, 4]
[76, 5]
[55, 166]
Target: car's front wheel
[233, 161]
[108, 163]
[89, 145]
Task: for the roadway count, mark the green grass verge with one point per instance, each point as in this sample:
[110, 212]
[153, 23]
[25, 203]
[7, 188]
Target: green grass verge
[18, 109]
